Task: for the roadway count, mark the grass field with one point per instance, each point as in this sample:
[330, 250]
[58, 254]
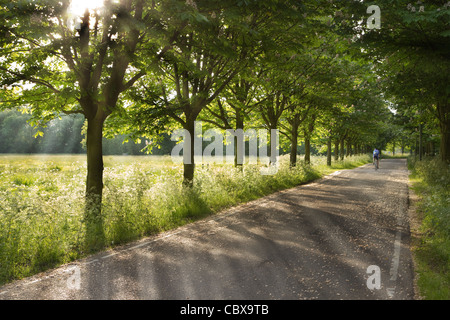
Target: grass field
[42, 223]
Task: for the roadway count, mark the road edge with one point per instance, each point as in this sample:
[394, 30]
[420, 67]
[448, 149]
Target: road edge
[415, 234]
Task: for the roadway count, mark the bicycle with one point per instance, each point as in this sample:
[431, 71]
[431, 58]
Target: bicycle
[376, 163]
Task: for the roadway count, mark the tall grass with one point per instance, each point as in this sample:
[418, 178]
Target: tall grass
[42, 221]
[431, 182]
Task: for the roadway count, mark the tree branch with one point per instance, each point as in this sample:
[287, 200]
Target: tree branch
[132, 81]
[31, 79]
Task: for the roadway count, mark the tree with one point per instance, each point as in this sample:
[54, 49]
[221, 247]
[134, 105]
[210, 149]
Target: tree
[212, 42]
[53, 63]
[235, 104]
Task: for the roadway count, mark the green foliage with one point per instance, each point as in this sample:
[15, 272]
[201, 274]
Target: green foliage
[435, 177]
[431, 182]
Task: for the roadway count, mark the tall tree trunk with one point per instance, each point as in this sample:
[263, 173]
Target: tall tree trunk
[342, 149]
[94, 183]
[307, 148]
[336, 150]
[294, 142]
[293, 154]
[238, 162]
[444, 123]
[349, 149]
[189, 168]
[273, 145]
[420, 142]
[329, 151]
[308, 135]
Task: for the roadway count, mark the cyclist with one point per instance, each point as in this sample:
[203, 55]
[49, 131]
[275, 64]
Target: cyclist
[376, 157]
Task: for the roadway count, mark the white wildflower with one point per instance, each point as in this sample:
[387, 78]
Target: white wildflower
[192, 4]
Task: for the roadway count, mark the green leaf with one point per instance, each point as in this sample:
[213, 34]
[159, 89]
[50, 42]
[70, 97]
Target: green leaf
[201, 18]
[445, 33]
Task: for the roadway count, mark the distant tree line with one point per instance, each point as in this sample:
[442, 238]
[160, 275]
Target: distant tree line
[64, 135]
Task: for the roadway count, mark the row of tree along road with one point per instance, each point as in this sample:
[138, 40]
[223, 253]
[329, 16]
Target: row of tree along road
[313, 70]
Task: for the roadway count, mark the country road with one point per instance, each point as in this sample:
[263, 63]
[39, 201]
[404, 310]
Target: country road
[345, 236]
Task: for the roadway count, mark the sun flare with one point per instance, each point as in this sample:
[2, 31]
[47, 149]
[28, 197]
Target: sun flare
[78, 7]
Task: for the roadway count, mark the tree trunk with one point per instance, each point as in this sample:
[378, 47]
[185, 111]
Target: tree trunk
[420, 142]
[272, 152]
[238, 162]
[94, 183]
[349, 149]
[294, 143]
[444, 149]
[444, 123]
[308, 135]
[336, 150]
[342, 149]
[307, 150]
[329, 152]
[293, 155]
[189, 168]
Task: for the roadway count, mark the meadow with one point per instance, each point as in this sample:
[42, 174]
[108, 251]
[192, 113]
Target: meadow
[42, 223]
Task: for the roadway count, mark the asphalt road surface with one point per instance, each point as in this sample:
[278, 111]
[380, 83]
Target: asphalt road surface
[343, 237]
